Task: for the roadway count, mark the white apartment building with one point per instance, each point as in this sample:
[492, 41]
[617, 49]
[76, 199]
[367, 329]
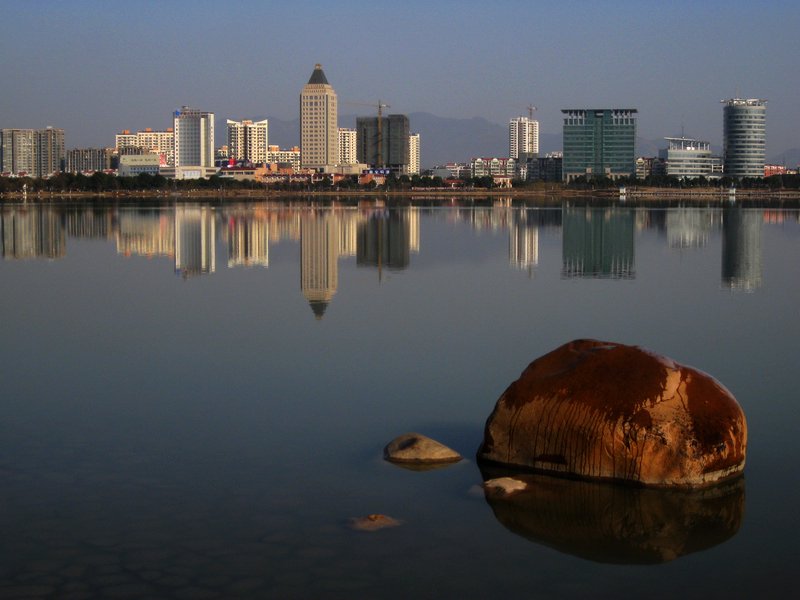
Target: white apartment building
[413, 154]
[319, 128]
[157, 142]
[347, 146]
[248, 140]
[194, 143]
[523, 137]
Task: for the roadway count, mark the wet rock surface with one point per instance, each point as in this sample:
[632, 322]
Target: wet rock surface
[415, 448]
[610, 411]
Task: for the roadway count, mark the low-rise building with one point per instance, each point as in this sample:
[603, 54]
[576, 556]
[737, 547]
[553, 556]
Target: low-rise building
[483, 167]
[131, 165]
[688, 158]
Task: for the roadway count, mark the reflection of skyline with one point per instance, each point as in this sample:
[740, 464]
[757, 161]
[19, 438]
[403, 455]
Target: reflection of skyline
[319, 260]
[385, 240]
[688, 228]
[32, 232]
[741, 249]
[248, 240]
[598, 243]
[195, 228]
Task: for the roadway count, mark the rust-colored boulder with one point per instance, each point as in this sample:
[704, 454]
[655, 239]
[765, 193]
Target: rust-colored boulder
[610, 411]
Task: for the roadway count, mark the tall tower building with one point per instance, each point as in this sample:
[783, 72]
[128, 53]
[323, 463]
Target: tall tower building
[194, 143]
[248, 140]
[347, 146]
[744, 136]
[413, 154]
[385, 146]
[523, 137]
[599, 143]
[319, 122]
[18, 150]
[50, 155]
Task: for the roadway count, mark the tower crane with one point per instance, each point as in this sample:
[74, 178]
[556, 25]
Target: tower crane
[531, 108]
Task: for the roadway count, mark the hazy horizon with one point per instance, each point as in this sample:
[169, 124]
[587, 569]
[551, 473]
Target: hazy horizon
[95, 68]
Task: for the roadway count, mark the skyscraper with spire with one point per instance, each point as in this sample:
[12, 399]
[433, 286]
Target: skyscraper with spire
[319, 126]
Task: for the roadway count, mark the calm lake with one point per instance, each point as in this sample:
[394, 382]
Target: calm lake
[195, 397]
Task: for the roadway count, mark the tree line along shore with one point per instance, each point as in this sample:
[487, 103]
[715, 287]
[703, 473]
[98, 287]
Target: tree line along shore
[110, 186]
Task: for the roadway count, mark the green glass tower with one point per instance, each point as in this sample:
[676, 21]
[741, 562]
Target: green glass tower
[599, 142]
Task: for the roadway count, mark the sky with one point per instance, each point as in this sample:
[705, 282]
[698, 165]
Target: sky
[96, 67]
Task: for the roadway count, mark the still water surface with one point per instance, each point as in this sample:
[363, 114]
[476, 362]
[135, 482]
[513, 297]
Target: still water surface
[195, 397]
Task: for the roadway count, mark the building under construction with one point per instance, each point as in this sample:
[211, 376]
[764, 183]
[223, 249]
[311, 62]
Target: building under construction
[382, 142]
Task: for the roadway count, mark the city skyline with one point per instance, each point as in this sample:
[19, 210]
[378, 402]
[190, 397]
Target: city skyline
[674, 63]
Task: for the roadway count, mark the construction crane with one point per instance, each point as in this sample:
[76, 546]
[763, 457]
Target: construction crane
[380, 106]
[531, 108]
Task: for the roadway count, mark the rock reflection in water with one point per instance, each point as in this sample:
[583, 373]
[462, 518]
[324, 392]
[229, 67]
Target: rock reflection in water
[613, 523]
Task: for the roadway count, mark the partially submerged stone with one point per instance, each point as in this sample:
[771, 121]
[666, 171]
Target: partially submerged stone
[503, 486]
[415, 448]
[373, 522]
[610, 411]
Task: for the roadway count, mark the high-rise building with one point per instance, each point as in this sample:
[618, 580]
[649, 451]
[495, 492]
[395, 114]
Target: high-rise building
[413, 154]
[383, 142]
[523, 137]
[319, 127]
[194, 143]
[35, 152]
[347, 146]
[599, 143]
[50, 151]
[18, 151]
[81, 160]
[248, 140]
[744, 136]
[149, 140]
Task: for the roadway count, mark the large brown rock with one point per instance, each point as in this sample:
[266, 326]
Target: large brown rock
[610, 411]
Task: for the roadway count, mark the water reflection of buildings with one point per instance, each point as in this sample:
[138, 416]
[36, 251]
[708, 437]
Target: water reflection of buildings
[598, 242]
[688, 227]
[146, 232]
[32, 232]
[319, 255]
[195, 235]
[385, 241]
[741, 249]
[248, 239]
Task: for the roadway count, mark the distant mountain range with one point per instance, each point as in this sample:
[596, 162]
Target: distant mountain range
[444, 139]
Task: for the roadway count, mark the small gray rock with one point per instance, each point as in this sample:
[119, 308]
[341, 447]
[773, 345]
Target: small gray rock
[418, 449]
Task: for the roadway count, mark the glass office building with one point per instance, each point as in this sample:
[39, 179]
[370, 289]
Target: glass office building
[744, 136]
[599, 143]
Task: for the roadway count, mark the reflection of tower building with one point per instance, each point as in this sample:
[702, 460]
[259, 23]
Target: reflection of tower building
[248, 241]
[688, 227]
[598, 242]
[89, 222]
[741, 249]
[32, 232]
[523, 241]
[195, 230]
[146, 232]
[412, 214]
[319, 271]
[384, 241]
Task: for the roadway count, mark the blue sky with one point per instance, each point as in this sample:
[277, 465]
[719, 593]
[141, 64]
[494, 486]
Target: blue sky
[95, 67]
